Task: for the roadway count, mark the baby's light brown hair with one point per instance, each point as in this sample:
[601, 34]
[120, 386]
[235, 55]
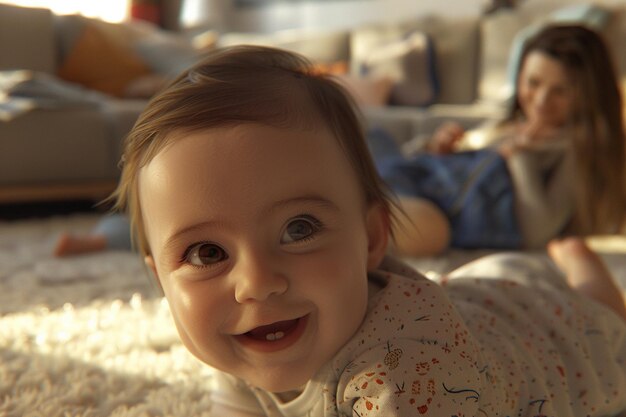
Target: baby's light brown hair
[238, 85]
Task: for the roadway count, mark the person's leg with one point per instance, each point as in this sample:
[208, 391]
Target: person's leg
[68, 244]
[112, 232]
[587, 273]
[116, 229]
[422, 229]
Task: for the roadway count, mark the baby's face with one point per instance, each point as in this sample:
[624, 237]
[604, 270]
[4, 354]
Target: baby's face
[261, 241]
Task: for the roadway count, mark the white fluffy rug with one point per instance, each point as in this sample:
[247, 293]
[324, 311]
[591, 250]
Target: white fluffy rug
[90, 337]
[87, 336]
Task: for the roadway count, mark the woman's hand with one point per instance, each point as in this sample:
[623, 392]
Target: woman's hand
[532, 133]
[446, 138]
[527, 136]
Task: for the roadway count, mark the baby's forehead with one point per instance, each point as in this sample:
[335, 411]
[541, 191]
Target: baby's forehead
[215, 139]
[249, 162]
[237, 129]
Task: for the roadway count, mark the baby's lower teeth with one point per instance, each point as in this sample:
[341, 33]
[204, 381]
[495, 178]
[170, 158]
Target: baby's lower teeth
[274, 336]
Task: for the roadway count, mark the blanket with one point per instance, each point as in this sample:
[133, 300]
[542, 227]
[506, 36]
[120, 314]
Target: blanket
[22, 91]
[90, 336]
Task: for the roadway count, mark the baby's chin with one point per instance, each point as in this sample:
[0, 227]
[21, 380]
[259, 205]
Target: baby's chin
[282, 385]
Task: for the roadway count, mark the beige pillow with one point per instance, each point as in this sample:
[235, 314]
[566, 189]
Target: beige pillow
[145, 86]
[367, 91]
[410, 63]
[457, 47]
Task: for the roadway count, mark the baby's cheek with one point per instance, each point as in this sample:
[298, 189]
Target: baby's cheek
[193, 312]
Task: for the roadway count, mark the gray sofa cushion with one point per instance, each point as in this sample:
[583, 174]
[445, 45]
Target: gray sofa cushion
[52, 146]
[26, 39]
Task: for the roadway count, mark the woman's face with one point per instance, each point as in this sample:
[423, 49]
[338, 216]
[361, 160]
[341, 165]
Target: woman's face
[546, 92]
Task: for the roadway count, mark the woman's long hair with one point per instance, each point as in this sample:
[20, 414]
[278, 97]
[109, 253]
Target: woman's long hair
[598, 139]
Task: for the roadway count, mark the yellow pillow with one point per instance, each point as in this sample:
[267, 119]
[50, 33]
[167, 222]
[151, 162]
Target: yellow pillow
[99, 63]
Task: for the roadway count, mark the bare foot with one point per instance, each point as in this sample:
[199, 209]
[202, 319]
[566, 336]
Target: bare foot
[69, 245]
[587, 273]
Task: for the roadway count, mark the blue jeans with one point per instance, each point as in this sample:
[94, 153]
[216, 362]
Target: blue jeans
[116, 229]
[473, 189]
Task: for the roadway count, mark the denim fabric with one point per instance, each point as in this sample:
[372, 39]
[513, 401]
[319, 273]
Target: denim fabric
[474, 189]
[116, 229]
[381, 144]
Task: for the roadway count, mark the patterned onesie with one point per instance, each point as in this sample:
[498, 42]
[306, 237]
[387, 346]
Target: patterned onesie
[476, 345]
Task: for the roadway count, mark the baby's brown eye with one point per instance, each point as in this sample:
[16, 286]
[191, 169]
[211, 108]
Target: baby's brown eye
[203, 254]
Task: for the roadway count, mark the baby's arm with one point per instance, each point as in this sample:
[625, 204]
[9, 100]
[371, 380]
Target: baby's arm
[411, 377]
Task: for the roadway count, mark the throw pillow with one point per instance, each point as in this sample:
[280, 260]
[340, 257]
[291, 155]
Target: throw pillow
[145, 86]
[166, 54]
[410, 63]
[367, 91]
[99, 63]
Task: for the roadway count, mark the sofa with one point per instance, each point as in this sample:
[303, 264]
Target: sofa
[70, 90]
[408, 77]
[470, 81]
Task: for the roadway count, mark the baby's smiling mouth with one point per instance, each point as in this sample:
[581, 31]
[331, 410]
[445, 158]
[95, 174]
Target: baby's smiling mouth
[275, 336]
[274, 331]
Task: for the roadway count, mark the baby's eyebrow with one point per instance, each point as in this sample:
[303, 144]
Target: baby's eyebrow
[304, 200]
[171, 240]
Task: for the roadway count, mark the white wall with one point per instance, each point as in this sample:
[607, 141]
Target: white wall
[339, 14]
[328, 14]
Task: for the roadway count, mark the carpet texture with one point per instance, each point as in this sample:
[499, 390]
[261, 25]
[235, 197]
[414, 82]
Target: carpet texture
[87, 336]
[90, 336]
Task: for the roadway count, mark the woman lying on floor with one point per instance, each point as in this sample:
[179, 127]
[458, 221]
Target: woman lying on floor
[554, 166]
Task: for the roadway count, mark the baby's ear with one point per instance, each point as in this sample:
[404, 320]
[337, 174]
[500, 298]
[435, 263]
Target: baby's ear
[149, 261]
[378, 224]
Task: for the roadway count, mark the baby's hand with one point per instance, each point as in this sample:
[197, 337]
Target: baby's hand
[446, 138]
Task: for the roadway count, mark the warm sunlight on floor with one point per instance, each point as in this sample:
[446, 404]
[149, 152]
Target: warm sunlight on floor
[110, 10]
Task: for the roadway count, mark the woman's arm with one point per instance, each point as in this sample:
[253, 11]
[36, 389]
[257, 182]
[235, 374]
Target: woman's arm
[544, 193]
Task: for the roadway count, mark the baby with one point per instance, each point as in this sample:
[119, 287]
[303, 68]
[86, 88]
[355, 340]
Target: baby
[256, 204]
